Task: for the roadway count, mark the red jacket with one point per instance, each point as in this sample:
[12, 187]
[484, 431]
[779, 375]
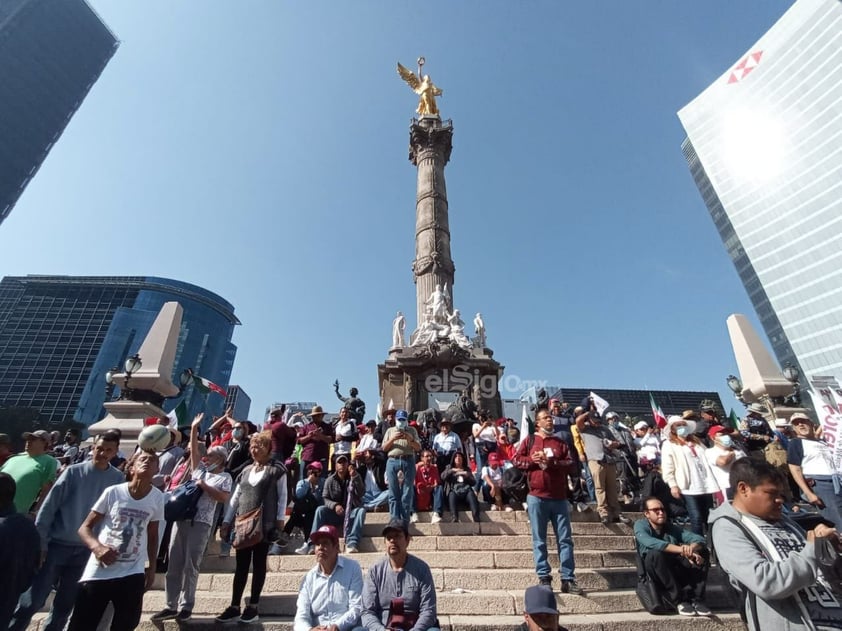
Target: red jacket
[551, 482]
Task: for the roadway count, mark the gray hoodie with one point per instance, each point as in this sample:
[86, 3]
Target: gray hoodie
[778, 577]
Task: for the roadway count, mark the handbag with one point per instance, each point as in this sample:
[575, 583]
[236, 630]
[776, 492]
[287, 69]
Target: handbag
[648, 593]
[248, 528]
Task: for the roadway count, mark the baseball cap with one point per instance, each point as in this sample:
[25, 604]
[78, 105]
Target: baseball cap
[324, 532]
[342, 457]
[5, 440]
[42, 434]
[799, 416]
[493, 458]
[401, 415]
[539, 599]
[396, 524]
[717, 429]
[316, 465]
[641, 425]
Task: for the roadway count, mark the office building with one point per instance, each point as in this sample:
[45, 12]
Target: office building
[764, 146]
[51, 53]
[60, 335]
[238, 401]
[634, 403]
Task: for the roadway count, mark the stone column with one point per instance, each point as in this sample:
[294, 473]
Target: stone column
[430, 143]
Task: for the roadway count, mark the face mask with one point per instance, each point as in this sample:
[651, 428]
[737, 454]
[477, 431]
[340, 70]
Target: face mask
[546, 431]
[682, 431]
[401, 424]
[726, 441]
[238, 434]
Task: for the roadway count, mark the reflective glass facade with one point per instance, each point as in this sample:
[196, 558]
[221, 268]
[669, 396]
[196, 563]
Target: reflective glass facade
[51, 53]
[764, 146]
[239, 402]
[59, 335]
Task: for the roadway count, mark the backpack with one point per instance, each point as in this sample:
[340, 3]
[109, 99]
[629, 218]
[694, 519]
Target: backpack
[515, 484]
[516, 481]
[648, 593]
[183, 502]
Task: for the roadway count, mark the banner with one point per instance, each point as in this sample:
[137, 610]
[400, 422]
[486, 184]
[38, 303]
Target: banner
[827, 406]
[600, 403]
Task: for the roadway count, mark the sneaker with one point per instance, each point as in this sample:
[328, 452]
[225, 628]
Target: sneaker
[413, 519]
[249, 615]
[494, 507]
[525, 506]
[232, 614]
[686, 609]
[547, 581]
[164, 614]
[701, 608]
[508, 509]
[351, 550]
[435, 519]
[305, 549]
[604, 521]
[625, 520]
[582, 507]
[571, 587]
[184, 615]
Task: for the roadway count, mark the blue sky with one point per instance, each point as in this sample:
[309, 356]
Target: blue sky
[259, 149]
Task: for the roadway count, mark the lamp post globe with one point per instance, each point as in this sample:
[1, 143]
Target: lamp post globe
[734, 384]
[133, 364]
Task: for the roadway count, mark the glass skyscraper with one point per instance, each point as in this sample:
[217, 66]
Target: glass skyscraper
[60, 335]
[764, 146]
[51, 53]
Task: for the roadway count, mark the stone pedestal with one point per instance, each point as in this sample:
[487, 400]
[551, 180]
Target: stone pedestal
[146, 389]
[411, 374]
[761, 377]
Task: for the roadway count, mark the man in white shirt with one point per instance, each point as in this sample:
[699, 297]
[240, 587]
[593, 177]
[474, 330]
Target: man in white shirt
[721, 457]
[330, 598]
[445, 444]
[117, 571]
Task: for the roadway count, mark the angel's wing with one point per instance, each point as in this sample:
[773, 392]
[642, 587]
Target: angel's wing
[409, 76]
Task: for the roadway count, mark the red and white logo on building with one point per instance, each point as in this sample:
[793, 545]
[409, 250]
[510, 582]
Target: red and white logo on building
[746, 65]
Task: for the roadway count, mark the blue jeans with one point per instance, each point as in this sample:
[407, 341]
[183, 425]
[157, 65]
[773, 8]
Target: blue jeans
[63, 567]
[698, 507]
[557, 512]
[325, 515]
[401, 497]
[586, 473]
[832, 502]
[372, 501]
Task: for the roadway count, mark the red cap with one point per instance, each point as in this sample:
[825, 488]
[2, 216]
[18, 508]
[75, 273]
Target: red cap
[718, 429]
[325, 532]
[493, 458]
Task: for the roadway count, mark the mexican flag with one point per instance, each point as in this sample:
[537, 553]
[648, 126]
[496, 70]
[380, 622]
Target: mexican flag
[657, 413]
[733, 419]
[178, 416]
[206, 385]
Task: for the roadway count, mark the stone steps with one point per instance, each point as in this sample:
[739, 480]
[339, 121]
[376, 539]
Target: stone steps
[481, 603]
[631, 621]
[491, 559]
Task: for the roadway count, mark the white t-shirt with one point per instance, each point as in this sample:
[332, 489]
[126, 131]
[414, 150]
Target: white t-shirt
[344, 432]
[495, 475]
[124, 525]
[721, 473]
[488, 434]
[207, 505]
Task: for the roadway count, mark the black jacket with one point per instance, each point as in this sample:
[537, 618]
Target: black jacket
[449, 475]
[336, 491]
[378, 467]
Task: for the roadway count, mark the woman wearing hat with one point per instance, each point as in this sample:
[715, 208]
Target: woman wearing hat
[685, 469]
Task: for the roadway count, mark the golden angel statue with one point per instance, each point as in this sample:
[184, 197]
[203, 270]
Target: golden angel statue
[423, 87]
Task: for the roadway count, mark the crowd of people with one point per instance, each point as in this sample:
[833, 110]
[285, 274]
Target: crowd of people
[103, 524]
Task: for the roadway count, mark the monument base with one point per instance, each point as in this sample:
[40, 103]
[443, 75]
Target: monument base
[128, 417]
[415, 377]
